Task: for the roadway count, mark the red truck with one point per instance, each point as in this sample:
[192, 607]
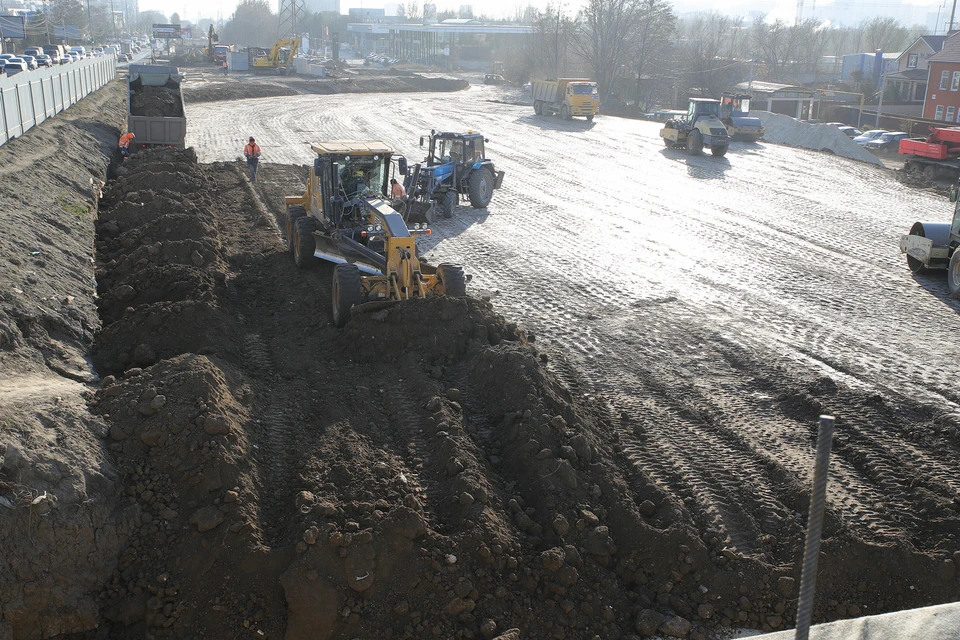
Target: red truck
[937, 154]
[220, 52]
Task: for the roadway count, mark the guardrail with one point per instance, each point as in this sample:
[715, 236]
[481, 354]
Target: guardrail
[28, 98]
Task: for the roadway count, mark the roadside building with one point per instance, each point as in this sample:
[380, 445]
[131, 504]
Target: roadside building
[909, 80]
[942, 100]
[460, 43]
[790, 100]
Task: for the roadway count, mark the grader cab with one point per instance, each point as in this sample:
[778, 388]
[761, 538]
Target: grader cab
[345, 217]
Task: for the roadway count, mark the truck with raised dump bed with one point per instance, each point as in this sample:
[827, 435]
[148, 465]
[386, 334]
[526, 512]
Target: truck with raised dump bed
[155, 112]
[566, 97]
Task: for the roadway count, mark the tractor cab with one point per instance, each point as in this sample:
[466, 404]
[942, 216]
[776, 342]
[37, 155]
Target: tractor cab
[455, 148]
[455, 165]
[732, 104]
[702, 108]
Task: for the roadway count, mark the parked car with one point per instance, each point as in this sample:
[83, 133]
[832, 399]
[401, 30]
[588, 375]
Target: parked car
[850, 132]
[31, 62]
[887, 143]
[492, 78]
[13, 66]
[867, 136]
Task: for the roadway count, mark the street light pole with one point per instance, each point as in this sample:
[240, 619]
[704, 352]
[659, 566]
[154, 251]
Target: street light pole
[880, 106]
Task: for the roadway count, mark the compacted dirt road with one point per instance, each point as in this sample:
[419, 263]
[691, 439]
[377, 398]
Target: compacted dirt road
[718, 305]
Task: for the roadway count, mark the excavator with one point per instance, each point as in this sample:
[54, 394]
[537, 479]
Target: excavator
[345, 217]
[280, 58]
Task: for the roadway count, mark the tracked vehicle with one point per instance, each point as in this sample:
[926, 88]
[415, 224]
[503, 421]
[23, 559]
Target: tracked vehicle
[344, 217]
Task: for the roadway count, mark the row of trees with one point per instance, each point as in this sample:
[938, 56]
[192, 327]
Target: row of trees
[639, 50]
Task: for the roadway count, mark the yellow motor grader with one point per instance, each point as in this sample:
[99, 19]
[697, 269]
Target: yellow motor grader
[344, 217]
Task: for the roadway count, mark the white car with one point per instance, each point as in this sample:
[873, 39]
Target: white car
[867, 136]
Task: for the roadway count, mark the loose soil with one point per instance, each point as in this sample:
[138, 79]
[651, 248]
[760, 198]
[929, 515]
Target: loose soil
[211, 86]
[429, 471]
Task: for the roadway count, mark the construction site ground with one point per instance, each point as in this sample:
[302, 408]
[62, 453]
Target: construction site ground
[611, 438]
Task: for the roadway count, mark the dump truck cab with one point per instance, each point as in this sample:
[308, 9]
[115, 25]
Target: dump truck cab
[566, 97]
[456, 164]
[345, 217]
[701, 127]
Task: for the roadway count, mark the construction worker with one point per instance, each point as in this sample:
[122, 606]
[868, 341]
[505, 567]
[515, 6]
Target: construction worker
[252, 153]
[225, 70]
[396, 189]
[124, 145]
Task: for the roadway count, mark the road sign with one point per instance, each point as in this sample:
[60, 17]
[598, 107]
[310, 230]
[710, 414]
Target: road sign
[166, 31]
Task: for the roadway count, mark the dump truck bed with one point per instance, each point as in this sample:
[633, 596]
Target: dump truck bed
[155, 108]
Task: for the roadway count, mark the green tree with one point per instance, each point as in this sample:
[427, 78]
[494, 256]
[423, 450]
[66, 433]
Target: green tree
[174, 18]
[252, 24]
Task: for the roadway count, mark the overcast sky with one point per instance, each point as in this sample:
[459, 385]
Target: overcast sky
[786, 9]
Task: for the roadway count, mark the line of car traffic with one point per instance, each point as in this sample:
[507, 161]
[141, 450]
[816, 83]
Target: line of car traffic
[52, 55]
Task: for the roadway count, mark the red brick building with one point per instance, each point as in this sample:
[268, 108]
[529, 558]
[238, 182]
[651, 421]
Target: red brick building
[942, 101]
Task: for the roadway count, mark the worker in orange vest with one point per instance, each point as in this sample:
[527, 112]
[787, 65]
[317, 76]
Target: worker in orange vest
[252, 153]
[125, 144]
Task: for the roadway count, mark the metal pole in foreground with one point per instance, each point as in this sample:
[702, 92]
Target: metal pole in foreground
[811, 551]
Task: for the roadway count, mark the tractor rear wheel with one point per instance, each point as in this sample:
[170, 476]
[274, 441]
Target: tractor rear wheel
[347, 292]
[294, 213]
[953, 274]
[454, 282]
[480, 188]
[719, 150]
[448, 204]
[304, 244]
[695, 143]
[565, 112]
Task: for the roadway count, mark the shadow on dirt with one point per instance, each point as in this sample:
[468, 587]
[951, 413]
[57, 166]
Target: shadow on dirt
[935, 282]
[550, 123]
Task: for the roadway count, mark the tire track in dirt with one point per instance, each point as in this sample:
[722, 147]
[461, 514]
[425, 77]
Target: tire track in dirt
[612, 250]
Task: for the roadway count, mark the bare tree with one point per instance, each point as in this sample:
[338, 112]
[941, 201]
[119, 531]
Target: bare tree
[413, 11]
[885, 34]
[656, 25]
[551, 48]
[605, 27]
[777, 46]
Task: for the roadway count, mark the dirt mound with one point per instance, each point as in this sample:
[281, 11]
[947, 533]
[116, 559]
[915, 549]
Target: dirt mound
[157, 102]
[818, 137]
[217, 89]
[60, 530]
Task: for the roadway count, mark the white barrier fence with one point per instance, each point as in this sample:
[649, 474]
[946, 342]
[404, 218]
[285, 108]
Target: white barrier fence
[28, 98]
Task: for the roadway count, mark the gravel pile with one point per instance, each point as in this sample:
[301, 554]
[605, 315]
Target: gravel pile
[819, 137]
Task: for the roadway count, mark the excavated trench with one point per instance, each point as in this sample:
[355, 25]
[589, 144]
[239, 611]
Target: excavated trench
[420, 473]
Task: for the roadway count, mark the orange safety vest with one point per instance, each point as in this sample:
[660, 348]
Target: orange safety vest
[251, 150]
[125, 139]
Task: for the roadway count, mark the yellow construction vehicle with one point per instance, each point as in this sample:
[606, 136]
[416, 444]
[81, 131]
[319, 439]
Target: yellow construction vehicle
[344, 217]
[280, 58]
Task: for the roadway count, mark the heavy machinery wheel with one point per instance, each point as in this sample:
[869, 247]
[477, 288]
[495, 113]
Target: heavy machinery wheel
[589, 118]
[953, 274]
[538, 108]
[565, 112]
[930, 172]
[347, 291]
[913, 168]
[667, 142]
[916, 266]
[695, 143]
[448, 204]
[719, 151]
[294, 213]
[454, 282]
[304, 245]
[481, 188]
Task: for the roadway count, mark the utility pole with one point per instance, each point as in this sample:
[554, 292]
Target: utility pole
[880, 106]
[953, 12]
[750, 82]
[46, 19]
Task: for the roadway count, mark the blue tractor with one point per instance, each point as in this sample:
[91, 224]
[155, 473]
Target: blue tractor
[456, 165]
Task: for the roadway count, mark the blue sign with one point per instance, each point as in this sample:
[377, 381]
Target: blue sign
[12, 27]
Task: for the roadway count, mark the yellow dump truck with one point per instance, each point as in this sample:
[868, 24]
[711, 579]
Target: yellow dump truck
[566, 97]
